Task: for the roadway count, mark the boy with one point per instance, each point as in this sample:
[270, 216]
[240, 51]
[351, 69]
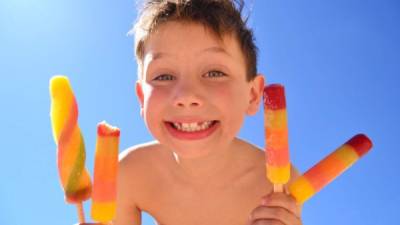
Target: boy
[197, 80]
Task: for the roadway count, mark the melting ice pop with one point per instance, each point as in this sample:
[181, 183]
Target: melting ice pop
[74, 177]
[329, 168]
[105, 173]
[276, 136]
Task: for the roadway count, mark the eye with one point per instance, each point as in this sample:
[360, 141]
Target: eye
[164, 77]
[215, 73]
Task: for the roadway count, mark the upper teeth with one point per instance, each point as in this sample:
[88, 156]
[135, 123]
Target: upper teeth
[190, 127]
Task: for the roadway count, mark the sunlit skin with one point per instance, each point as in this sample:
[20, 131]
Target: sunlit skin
[206, 176]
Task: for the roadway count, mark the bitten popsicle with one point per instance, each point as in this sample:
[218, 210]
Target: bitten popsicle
[276, 136]
[105, 173]
[320, 175]
[71, 154]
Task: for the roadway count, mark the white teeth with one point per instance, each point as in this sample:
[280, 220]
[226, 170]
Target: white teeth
[185, 126]
[191, 127]
[177, 125]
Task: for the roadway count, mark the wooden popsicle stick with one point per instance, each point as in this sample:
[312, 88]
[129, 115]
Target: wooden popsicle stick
[278, 188]
[81, 213]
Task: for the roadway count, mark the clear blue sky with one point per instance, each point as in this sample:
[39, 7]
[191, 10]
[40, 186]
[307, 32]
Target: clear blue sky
[339, 61]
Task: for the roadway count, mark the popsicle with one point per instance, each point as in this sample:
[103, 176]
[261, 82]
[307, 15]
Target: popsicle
[276, 136]
[329, 168]
[105, 173]
[73, 175]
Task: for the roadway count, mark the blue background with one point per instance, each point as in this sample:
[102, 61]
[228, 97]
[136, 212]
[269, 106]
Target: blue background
[339, 61]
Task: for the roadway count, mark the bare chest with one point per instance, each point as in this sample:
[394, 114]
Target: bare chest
[180, 204]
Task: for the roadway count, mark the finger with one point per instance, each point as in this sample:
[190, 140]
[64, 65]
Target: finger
[284, 201]
[274, 213]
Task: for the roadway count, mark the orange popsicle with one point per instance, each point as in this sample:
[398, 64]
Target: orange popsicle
[329, 168]
[71, 155]
[105, 173]
[276, 136]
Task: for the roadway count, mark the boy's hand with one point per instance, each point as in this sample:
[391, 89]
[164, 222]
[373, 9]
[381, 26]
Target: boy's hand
[276, 209]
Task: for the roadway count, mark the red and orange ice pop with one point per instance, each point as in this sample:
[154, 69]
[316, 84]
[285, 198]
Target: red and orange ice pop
[74, 177]
[329, 168]
[276, 136]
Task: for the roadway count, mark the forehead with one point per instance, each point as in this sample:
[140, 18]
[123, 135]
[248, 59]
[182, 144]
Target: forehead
[179, 38]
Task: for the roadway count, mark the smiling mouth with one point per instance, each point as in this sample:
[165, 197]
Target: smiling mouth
[193, 127]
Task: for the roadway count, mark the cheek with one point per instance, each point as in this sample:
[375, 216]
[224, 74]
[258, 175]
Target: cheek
[153, 97]
[233, 96]
[224, 93]
[154, 101]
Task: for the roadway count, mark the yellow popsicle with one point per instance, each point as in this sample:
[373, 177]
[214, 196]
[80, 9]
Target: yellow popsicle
[74, 177]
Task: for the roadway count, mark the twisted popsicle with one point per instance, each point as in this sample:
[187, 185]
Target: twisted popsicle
[276, 136]
[74, 177]
[105, 173]
[329, 168]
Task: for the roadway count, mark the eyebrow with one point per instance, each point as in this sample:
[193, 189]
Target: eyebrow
[214, 49]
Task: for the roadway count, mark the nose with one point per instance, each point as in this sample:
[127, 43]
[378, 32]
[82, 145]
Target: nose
[187, 96]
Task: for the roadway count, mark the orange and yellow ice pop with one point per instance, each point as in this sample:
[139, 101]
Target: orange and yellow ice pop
[105, 173]
[74, 177]
[276, 136]
[329, 168]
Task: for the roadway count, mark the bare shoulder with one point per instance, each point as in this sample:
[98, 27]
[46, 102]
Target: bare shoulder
[138, 172]
[251, 152]
[256, 155]
[141, 163]
[139, 155]
[131, 182]
[144, 163]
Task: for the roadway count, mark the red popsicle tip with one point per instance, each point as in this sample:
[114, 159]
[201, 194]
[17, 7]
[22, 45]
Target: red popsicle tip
[274, 97]
[105, 129]
[361, 144]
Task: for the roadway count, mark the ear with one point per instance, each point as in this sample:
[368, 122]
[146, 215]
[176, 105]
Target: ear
[139, 94]
[256, 94]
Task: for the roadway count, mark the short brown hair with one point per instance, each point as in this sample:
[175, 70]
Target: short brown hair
[220, 16]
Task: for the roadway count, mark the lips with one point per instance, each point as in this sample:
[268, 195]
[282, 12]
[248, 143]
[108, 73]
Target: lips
[192, 130]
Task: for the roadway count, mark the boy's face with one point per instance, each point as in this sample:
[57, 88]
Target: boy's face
[193, 91]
